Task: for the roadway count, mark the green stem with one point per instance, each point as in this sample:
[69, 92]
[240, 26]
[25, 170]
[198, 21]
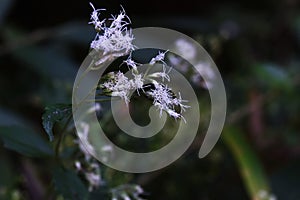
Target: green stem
[250, 167]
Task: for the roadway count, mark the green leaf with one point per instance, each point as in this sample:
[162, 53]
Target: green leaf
[272, 75]
[53, 114]
[250, 167]
[50, 61]
[24, 141]
[68, 184]
[9, 118]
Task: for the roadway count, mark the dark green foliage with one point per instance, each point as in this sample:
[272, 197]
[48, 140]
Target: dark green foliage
[67, 183]
[53, 114]
[25, 141]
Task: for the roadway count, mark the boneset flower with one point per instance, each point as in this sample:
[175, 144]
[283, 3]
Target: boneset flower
[119, 85]
[164, 100]
[159, 58]
[95, 19]
[114, 40]
[163, 75]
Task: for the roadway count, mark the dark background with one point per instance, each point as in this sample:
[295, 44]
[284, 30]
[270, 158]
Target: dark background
[255, 44]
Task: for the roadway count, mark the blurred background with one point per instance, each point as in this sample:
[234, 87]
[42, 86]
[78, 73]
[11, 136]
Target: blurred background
[256, 46]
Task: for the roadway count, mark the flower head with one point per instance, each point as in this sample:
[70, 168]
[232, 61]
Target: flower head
[99, 25]
[119, 85]
[164, 100]
[163, 74]
[131, 63]
[114, 40]
[158, 58]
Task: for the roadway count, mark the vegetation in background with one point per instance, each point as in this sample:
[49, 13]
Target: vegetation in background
[257, 50]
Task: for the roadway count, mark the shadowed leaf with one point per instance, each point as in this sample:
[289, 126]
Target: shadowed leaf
[53, 114]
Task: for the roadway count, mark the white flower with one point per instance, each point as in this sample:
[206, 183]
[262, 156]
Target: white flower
[131, 63]
[96, 107]
[84, 145]
[205, 69]
[137, 82]
[159, 58]
[165, 101]
[186, 49]
[95, 18]
[78, 165]
[119, 21]
[94, 180]
[163, 75]
[115, 40]
[204, 75]
[263, 194]
[119, 85]
[107, 148]
[125, 196]
[139, 189]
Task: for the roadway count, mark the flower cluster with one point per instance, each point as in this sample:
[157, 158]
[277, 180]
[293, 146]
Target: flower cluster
[265, 195]
[119, 85]
[113, 38]
[202, 74]
[163, 98]
[125, 192]
[89, 167]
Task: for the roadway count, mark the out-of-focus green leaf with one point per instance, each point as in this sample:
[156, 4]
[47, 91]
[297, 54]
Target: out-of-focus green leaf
[4, 7]
[249, 165]
[24, 141]
[271, 75]
[53, 114]
[75, 32]
[8, 118]
[47, 61]
[67, 183]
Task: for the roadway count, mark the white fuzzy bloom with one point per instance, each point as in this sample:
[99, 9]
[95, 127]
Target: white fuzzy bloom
[205, 69]
[125, 196]
[204, 75]
[119, 85]
[131, 63]
[163, 75]
[127, 192]
[94, 180]
[263, 194]
[159, 58]
[272, 197]
[78, 165]
[165, 101]
[107, 148]
[137, 82]
[139, 189]
[186, 49]
[96, 107]
[95, 18]
[84, 145]
[112, 41]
